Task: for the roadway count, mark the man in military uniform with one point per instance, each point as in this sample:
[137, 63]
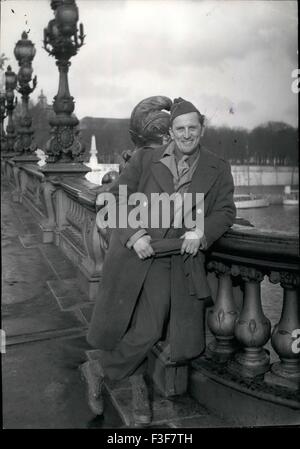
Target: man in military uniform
[142, 295]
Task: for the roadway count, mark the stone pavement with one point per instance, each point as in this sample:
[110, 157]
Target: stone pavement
[45, 318]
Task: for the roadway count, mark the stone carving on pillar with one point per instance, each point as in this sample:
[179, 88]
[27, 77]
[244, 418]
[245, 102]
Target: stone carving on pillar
[24, 145]
[252, 328]
[62, 41]
[287, 372]
[222, 317]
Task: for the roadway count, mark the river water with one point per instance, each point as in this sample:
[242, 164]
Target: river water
[272, 218]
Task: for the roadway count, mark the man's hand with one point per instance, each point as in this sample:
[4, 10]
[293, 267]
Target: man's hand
[143, 248]
[191, 243]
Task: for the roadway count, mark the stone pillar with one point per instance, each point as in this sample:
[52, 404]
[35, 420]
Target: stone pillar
[286, 334]
[49, 224]
[221, 318]
[90, 268]
[252, 329]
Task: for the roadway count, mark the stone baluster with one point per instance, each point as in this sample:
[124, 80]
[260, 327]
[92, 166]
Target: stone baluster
[286, 334]
[252, 329]
[8, 173]
[221, 318]
[62, 205]
[16, 193]
[23, 184]
[49, 224]
[91, 265]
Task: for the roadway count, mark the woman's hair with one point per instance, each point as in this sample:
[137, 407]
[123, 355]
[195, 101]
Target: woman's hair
[149, 120]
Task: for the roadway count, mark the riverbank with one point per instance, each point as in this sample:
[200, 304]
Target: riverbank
[274, 194]
[264, 175]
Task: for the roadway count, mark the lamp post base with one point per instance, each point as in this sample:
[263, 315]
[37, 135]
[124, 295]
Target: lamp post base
[65, 168]
[25, 159]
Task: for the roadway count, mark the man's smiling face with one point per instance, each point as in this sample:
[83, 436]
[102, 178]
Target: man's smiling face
[186, 132]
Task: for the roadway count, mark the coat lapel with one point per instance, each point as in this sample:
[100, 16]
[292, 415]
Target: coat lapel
[205, 173]
[203, 179]
[161, 173]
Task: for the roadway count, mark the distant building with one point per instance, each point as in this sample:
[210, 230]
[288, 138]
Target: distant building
[42, 100]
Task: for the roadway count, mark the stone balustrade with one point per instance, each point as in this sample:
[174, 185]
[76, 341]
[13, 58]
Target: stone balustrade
[236, 375]
[65, 209]
[242, 330]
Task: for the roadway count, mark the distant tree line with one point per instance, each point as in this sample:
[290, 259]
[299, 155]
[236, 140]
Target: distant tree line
[273, 143]
[40, 121]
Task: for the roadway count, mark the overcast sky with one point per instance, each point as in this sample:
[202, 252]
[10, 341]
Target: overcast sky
[233, 59]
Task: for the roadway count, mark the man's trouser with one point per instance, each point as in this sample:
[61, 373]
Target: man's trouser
[146, 327]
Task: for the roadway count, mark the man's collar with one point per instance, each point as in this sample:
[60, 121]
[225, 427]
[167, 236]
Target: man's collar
[171, 149]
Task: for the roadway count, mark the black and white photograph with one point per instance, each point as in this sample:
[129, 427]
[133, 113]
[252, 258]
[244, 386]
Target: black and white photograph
[150, 217]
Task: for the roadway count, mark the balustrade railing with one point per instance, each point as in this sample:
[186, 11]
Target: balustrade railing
[65, 208]
[242, 330]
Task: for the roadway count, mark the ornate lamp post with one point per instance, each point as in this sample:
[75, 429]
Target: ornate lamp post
[24, 52]
[2, 117]
[11, 102]
[62, 40]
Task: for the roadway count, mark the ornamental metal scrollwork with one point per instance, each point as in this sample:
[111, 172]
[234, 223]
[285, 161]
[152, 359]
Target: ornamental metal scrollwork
[62, 41]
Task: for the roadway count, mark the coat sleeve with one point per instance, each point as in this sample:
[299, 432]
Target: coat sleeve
[128, 181]
[223, 213]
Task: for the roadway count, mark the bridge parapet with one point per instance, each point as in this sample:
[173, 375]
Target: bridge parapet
[237, 358]
[65, 208]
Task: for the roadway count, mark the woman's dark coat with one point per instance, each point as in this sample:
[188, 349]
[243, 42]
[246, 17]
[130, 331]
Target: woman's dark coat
[124, 273]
